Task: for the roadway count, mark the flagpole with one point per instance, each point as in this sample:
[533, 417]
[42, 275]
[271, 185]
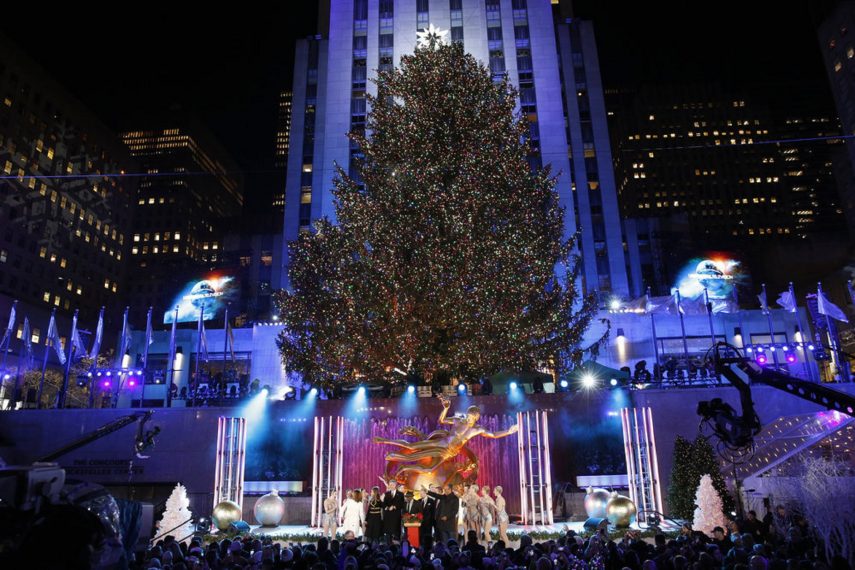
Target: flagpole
[7, 335]
[60, 400]
[801, 331]
[709, 315]
[24, 339]
[145, 356]
[768, 312]
[170, 377]
[682, 327]
[832, 341]
[44, 361]
[655, 340]
[225, 348]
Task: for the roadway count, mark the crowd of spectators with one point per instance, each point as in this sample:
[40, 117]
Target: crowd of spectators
[779, 542]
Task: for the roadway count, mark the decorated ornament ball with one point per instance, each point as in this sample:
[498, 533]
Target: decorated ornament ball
[269, 509]
[620, 511]
[595, 502]
[225, 513]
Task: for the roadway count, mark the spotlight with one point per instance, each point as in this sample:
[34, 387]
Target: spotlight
[749, 350]
[613, 381]
[762, 359]
[564, 384]
[132, 382]
[98, 374]
[139, 372]
[461, 388]
[411, 389]
[588, 381]
[361, 390]
[614, 304]
[772, 348]
[313, 392]
[810, 347]
[785, 348]
[513, 385]
[105, 384]
[265, 391]
[109, 373]
[791, 358]
[89, 375]
[7, 376]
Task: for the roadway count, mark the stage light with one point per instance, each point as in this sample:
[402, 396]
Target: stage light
[613, 381]
[810, 347]
[411, 389]
[564, 383]
[7, 376]
[313, 393]
[105, 384]
[98, 374]
[461, 388]
[513, 385]
[588, 381]
[791, 358]
[361, 390]
[614, 304]
[275, 318]
[749, 350]
[762, 359]
[132, 382]
[109, 373]
[785, 348]
[139, 372]
[772, 348]
[89, 374]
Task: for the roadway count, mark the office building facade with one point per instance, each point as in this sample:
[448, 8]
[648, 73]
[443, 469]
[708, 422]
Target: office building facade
[65, 206]
[529, 41]
[186, 203]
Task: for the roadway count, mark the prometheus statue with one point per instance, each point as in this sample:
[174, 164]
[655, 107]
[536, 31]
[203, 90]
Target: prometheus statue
[434, 456]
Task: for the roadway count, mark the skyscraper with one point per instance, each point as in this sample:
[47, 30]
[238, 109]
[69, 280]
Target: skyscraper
[64, 203]
[550, 59]
[283, 131]
[191, 192]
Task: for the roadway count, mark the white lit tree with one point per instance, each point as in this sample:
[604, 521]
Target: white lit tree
[177, 518]
[708, 508]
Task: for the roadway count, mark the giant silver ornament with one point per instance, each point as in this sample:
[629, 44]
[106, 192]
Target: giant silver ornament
[225, 513]
[269, 509]
[620, 511]
[595, 502]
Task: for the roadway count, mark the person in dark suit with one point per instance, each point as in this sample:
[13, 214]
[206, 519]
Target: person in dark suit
[429, 520]
[412, 506]
[393, 506]
[446, 513]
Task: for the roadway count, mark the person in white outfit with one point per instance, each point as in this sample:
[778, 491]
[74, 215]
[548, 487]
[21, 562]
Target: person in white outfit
[353, 514]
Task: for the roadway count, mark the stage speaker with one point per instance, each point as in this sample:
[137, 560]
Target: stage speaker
[238, 527]
[596, 524]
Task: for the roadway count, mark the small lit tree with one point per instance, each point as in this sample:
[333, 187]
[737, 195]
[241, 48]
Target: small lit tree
[708, 508]
[177, 519]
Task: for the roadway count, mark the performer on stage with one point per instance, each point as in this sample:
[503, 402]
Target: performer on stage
[502, 518]
[488, 507]
[393, 505]
[412, 505]
[374, 519]
[473, 510]
[352, 514]
[446, 513]
[330, 517]
[441, 445]
[429, 520]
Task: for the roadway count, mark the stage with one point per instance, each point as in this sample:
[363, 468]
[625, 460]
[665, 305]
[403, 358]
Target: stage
[303, 533]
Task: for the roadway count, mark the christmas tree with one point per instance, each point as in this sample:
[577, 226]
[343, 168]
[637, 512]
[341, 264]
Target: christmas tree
[708, 510]
[691, 461]
[447, 255]
[177, 518]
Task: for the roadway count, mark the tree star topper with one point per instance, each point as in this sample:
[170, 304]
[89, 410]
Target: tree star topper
[431, 37]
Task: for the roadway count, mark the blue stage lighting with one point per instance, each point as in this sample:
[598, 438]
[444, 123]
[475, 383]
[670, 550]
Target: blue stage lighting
[461, 388]
[411, 389]
[564, 383]
[313, 392]
[361, 390]
[613, 381]
[588, 381]
[513, 385]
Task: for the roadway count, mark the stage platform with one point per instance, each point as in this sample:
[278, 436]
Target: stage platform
[302, 533]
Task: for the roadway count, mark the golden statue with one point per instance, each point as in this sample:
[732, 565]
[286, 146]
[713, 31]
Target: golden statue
[433, 458]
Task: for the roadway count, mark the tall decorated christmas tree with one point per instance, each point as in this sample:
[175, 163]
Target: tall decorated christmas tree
[446, 255]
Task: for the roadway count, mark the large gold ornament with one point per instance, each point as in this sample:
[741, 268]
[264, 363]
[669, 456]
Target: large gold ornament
[620, 511]
[441, 457]
[269, 509]
[225, 513]
[595, 502]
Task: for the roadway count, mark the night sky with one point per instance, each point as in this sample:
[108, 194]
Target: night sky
[228, 66]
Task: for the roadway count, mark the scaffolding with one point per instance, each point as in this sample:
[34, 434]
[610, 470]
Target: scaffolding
[231, 460]
[327, 467]
[642, 465]
[535, 468]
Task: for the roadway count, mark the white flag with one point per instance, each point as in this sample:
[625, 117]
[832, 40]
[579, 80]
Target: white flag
[764, 306]
[787, 300]
[99, 334]
[7, 336]
[826, 307]
[53, 338]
